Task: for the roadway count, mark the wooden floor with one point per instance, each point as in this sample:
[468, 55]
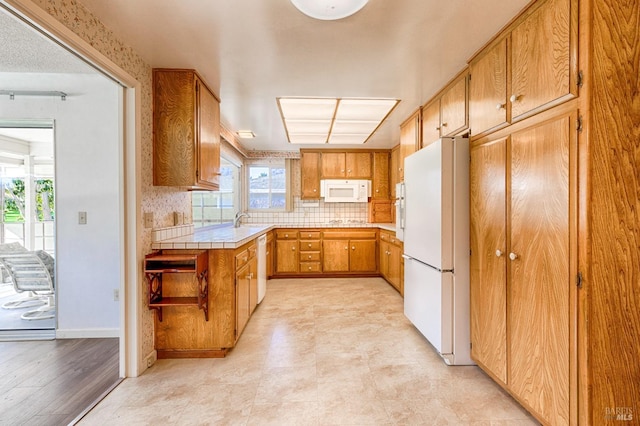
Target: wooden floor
[52, 382]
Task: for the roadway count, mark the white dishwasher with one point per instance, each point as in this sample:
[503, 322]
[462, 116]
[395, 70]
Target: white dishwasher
[262, 267]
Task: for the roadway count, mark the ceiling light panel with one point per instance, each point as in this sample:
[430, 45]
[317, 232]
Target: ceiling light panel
[328, 10]
[333, 120]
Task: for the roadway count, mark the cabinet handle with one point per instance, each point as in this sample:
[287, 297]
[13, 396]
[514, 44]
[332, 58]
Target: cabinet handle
[444, 124]
[309, 256]
[346, 248]
[309, 245]
[514, 98]
[513, 256]
[315, 190]
[309, 267]
[438, 128]
[286, 235]
[498, 253]
[293, 248]
[353, 248]
[377, 190]
[499, 106]
[342, 171]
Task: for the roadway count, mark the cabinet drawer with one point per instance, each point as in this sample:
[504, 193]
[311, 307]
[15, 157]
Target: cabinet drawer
[309, 256]
[385, 236]
[310, 245]
[309, 235]
[310, 267]
[287, 235]
[252, 249]
[349, 234]
[242, 258]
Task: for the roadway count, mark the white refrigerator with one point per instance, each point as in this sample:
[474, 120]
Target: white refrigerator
[436, 246]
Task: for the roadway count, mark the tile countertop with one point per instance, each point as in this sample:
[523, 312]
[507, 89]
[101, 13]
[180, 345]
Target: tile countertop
[229, 237]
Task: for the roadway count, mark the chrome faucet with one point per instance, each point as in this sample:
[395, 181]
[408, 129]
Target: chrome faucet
[236, 220]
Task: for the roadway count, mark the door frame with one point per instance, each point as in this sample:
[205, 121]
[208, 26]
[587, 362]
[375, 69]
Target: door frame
[130, 172]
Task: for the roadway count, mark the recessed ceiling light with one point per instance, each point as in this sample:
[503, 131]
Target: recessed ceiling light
[329, 10]
[333, 120]
[246, 134]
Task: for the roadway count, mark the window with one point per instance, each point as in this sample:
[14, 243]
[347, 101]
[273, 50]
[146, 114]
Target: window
[218, 207]
[267, 187]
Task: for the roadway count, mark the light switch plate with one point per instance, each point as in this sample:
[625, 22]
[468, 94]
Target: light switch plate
[82, 218]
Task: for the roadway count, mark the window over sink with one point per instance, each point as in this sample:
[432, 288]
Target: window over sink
[268, 186]
[218, 207]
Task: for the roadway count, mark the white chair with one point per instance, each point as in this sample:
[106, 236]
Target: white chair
[31, 272]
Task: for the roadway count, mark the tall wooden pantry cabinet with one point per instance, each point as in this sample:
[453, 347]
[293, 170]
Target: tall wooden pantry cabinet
[555, 210]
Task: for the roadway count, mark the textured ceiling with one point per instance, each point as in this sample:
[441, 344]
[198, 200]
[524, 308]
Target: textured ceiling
[25, 50]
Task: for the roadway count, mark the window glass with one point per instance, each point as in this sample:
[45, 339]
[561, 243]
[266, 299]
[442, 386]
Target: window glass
[267, 187]
[218, 207]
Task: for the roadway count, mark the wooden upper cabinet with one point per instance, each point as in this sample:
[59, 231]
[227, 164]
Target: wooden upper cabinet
[333, 165]
[380, 187]
[186, 131]
[351, 165]
[358, 165]
[409, 140]
[543, 58]
[453, 108]
[488, 90]
[310, 174]
[394, 165]
[430, 122]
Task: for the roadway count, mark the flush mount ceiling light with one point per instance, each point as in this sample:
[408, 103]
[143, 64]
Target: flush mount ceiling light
[333, 120]
[246, 134]
[329, 10]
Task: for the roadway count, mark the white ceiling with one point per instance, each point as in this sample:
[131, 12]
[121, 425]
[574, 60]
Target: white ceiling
[251, 52]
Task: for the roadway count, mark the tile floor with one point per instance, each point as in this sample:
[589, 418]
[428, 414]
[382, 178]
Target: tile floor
[316, 352]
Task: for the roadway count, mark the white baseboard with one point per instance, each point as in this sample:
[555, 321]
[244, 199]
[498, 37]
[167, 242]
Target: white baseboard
[88, 333]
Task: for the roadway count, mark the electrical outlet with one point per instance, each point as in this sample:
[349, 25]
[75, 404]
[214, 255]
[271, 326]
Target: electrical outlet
[178, 219]
[116, 294]
[82, 218]
[148, 219]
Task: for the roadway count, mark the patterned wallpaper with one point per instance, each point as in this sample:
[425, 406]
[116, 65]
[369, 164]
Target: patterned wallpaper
[162, 201]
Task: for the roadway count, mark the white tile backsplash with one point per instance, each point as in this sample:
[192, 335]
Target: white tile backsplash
[310, 212]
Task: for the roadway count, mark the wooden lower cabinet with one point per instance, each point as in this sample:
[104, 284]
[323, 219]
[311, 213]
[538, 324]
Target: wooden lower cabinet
[286, 252]
[232, 298]
[349, 251]
[523, 292]
[391, 260]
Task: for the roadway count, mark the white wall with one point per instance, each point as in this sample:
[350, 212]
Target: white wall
[87, 151]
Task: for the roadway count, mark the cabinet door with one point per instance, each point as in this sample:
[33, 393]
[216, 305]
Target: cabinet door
[409, 140]
[253, 284]
[310, 175]
[333, 165]
[453, 108]
[286, 256]
[488, 90]
[394, 164]
[393, 268]
[358, 165]
[380, 190]
[383, 254]
[270, 255]
[208, 152]
[362, 256]
[430, 123]
[540, 277]
[243, 309]
[487, 180]
[335, 255]
[542, 55]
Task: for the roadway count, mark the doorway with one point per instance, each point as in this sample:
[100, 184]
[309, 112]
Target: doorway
[27, 230]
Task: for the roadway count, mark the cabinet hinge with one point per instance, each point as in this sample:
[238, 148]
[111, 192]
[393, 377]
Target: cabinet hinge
[197, 173]
[580, 79]
[469, 77]
[579, 124]
[471, 345]
[579, 280]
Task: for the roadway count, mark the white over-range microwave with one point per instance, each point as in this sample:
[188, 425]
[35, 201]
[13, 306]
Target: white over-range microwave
[345, 191]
